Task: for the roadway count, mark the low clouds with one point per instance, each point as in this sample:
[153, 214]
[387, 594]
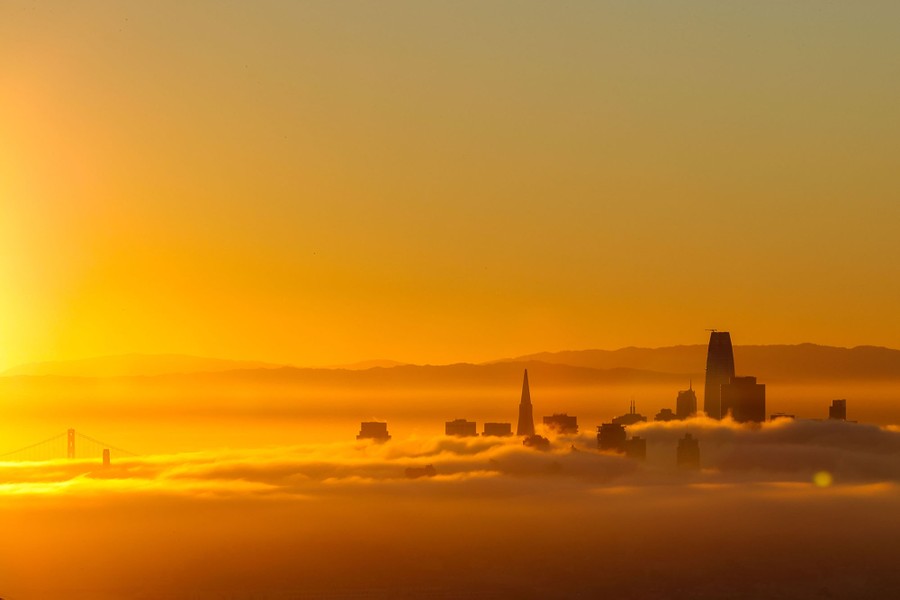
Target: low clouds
[498, 520]
[780, 451]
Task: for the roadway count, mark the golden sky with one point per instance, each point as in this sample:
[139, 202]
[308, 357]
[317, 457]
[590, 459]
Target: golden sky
[319, 183]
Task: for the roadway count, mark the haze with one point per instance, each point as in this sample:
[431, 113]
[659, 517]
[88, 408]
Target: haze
[264, 262]
[317, 183]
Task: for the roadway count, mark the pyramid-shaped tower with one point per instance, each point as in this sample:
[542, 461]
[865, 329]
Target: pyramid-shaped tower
[526, 417]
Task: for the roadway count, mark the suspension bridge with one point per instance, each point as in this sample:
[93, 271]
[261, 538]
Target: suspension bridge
[68, 444]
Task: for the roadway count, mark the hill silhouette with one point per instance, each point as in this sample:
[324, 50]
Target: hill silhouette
[798, 362]
[133, 365]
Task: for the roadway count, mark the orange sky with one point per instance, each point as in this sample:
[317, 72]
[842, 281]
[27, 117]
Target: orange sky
[319, 183]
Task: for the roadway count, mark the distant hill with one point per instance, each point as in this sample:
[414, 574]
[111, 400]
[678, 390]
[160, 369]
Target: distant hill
[774, 362]
[134, 365]
[456, 376]
[378, 363]
[256, 383]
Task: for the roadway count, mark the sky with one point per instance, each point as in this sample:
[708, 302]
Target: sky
[319, 183]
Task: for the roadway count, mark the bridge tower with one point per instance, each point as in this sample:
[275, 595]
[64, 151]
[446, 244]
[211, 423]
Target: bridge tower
[106, 457]
[70, 445]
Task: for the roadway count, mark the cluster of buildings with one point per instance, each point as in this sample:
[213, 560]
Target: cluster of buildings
[725, 395]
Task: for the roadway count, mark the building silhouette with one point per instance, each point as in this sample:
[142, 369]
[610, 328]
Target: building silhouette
[774, 416]
[744, 400]
[611, 437]
[562, 423]
[719, 371]
[665, 414]
[497, 429]
[460, 428]
[838, 410]
[630, 418]
[417, 472]
[537, 442]
[636, 448]
[688, 453]
[686, 403]
[373, 430]
[526, 415]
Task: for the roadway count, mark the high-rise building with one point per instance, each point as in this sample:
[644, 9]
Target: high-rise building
[497, 429]
[631, 417]
[373, 430]
[526, 416]
[744, 399]
[636, 448]
[686, 403]
[688, 454]
[838, 410]
[719, 371]
[562, 423]
[611, 437]
[460, 428]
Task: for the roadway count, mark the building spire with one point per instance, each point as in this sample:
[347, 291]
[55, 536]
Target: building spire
[526, 417]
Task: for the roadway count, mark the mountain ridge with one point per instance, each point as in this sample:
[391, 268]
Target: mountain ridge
[772, 362]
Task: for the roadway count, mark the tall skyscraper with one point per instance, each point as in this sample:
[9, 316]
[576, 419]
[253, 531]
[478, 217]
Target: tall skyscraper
[526, 418]
[744, 399]
[719, 370]
[686, 403]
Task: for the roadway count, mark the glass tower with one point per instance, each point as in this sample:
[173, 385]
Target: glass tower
[719, 371]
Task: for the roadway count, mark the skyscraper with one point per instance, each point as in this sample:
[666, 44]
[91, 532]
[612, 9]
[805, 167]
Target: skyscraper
[611, 436]
[719, 370]
[688, 454]
[686, 403]
[838, 410]
[744, 399]
[526, 418]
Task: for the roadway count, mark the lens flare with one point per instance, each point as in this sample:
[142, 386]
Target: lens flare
[823, 479]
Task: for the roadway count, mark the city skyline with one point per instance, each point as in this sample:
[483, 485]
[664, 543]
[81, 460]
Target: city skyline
[507, 299]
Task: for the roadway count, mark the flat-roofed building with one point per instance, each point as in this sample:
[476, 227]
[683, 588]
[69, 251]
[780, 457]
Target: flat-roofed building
[562, 423]
[373, 430]
[838, 410]
[611, 437]
[460, 428]
[497, 429]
